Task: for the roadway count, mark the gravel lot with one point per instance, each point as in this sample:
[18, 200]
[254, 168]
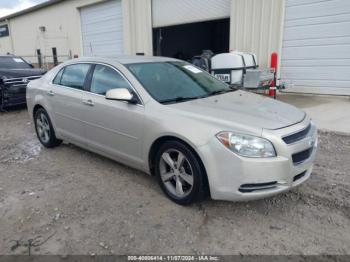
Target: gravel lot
[75, 202]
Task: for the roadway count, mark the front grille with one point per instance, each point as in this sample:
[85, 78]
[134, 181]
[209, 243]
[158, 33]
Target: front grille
[297, 177]
[20, 81]
[14, 89]
[300, 157]
[248, 188]
[297, 136]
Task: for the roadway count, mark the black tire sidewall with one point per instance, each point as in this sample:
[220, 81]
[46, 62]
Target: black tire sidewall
[198, 191]
[53, 140]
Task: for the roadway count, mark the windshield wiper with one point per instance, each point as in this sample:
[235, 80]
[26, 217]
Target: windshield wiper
[218, 92]
[178, 99]
[184, 99]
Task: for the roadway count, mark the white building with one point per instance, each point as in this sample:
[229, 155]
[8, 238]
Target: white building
[311, 36]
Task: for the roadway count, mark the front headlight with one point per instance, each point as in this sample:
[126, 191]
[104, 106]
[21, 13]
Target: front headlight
[247, 145]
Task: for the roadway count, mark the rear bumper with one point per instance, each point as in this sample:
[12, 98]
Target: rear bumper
[236, 178]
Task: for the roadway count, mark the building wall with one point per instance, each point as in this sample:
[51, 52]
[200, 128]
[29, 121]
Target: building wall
[257, 27]
[5, 43]
[137, 19]
[63, 30]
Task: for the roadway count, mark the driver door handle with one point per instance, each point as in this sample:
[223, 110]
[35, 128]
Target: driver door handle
[88, 102]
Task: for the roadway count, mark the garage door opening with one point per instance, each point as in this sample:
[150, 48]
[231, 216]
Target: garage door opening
[188, 40]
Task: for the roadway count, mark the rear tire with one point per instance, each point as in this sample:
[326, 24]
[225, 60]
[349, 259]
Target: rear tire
[44, 129]
[179, 173]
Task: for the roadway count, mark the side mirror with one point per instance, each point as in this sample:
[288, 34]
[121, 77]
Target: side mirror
[121, 94]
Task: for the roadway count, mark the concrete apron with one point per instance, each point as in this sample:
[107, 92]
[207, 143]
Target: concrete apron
[330, 113]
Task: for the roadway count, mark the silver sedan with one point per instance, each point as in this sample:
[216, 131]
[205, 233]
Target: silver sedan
[197, 135]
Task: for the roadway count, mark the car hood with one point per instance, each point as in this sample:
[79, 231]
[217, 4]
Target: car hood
[14, 73]
[243, 109]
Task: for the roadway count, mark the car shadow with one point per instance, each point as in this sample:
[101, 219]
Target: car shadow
[13, 109]
[149, 182]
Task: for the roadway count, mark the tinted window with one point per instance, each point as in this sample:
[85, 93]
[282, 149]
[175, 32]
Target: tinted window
[74, 75]
[106, 78]
[4, 30]
[172, 80]
[58, 77]
[9, 62]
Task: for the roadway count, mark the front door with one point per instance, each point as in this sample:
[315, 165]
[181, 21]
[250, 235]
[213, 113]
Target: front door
[114, 128]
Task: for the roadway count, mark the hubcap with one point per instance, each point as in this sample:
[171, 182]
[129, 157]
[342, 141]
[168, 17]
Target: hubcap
[176, 173]
[43, 128]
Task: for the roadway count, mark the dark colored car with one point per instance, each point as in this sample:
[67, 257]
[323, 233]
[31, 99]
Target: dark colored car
[15, 74]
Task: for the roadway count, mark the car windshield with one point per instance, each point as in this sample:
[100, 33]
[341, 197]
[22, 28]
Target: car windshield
[173, 82]
[12, 62]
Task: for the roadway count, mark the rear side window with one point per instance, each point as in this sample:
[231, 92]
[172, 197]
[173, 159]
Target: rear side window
[106, 78]
[57, 80]
[73, 76]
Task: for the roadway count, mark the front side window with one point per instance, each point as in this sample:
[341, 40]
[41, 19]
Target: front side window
[105, 78]
[74, 75]
[169, 82]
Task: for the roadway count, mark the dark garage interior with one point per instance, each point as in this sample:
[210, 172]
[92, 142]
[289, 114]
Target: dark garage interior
[187, 40]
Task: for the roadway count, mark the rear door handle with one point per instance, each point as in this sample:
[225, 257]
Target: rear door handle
[88, 102]
[50, 93]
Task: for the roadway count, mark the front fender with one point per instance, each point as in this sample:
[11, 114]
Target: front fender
[192, 132]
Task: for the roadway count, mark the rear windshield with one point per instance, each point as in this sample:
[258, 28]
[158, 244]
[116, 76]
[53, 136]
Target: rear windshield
[13, 63]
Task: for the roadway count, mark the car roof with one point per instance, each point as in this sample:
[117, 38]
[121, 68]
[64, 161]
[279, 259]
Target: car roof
[126, 59]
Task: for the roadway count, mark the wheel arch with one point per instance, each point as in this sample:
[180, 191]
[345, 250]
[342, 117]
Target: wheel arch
[161, 140]
[39, 105]
[36, 108]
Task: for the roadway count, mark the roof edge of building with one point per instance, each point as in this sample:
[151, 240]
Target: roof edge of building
[30, 9]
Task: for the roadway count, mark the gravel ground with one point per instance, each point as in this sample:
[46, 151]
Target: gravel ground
[71, 201]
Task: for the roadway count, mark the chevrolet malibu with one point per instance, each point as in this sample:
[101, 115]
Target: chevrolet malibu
[198, 136]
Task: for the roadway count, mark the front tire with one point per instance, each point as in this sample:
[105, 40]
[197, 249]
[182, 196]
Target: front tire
[44, 129]
[179, 173]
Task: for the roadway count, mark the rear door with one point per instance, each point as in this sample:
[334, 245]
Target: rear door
[114, 128]
[66, 97]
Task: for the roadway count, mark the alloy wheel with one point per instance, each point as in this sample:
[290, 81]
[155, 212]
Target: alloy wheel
[176, 173]
[43, 128]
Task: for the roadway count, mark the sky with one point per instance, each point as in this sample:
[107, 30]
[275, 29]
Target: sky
[11, 6]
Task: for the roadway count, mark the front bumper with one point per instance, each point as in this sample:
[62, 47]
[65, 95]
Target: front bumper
[12, 98]
[13, 91]
[235, 178]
